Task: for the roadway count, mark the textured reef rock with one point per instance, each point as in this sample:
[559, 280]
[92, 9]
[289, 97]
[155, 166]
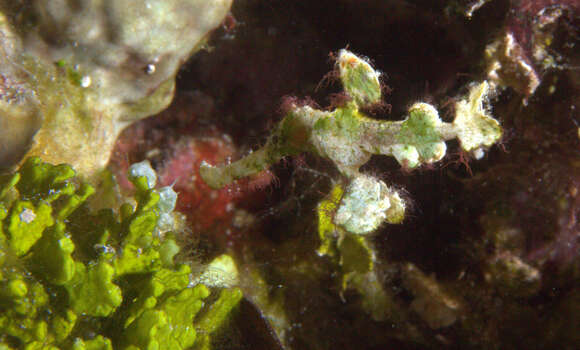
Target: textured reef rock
[74, 75]
[431, 238]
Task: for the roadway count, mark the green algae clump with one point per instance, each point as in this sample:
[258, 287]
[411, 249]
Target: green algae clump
[76, 279]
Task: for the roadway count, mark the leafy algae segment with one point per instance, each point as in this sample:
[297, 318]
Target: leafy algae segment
[358, 204]
[74, 279]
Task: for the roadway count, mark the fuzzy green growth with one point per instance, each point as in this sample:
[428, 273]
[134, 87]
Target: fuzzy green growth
[360, 204]
[419, 140]
[366, 204]
[474, 127]
[66, 272]
[353, 255]
[359, 78]
[327, 230]
[349, 138]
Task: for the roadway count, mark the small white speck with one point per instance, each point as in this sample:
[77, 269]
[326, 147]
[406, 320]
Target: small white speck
[27, 215]
[150, 69]
[104, 249]
[86, 81]
[478, 153]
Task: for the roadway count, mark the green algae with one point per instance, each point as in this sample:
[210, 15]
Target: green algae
[60, 281]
